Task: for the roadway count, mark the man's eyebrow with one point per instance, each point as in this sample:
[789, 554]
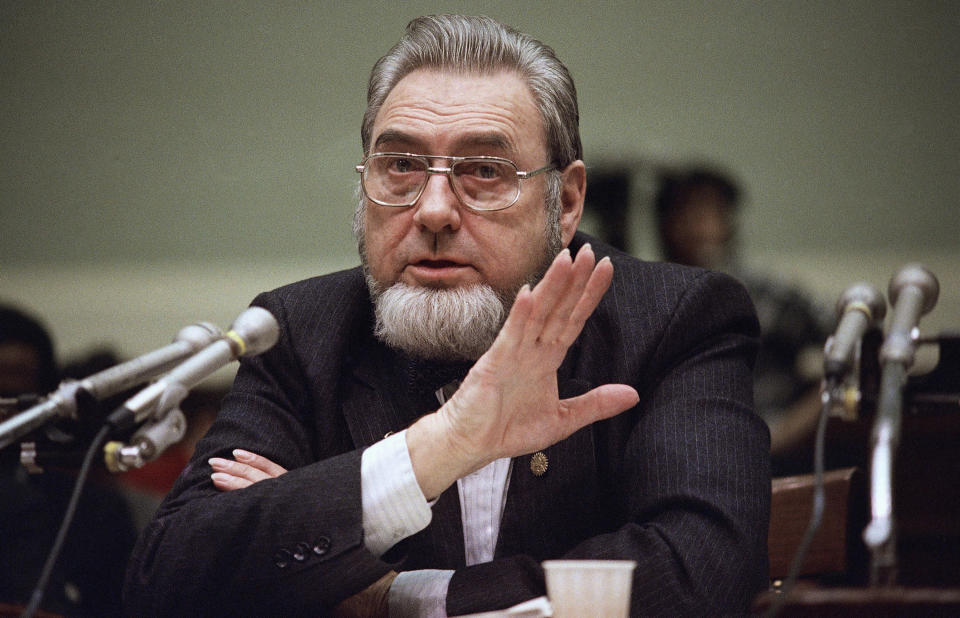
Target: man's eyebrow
[392, 136]
[489, 139]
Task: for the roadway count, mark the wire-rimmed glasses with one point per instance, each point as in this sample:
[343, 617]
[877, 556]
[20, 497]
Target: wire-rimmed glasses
[482, 183]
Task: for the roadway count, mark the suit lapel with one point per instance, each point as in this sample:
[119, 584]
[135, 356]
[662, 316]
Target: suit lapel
[541, 510]
[378, 401]
[375, 401]
[440, 545]
[371, 414]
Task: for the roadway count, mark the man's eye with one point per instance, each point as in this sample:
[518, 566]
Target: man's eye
[480, 170]
[488, 171]
[402, 166]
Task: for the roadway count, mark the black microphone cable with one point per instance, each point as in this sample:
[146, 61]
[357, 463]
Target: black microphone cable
[817, 508]
[36, 597]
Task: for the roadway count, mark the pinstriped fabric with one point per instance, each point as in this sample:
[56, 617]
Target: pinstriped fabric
[680, 483]
[700, 456]
[419, 594]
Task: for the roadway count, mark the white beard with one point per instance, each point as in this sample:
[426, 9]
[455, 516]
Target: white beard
[447, 324]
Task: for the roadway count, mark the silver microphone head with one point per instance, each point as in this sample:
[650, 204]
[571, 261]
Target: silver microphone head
[863, 297]
[918, 276]
[199, 335]
[913, 293]
[257, 331]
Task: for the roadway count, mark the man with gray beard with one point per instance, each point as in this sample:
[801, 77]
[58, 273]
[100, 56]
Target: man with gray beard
[444, 323]
[483, 393]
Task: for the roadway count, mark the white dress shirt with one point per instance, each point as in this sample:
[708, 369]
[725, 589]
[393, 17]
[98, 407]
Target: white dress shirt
[394, 508]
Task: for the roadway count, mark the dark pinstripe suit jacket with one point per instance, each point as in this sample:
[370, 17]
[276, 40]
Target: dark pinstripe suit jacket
[679, 483]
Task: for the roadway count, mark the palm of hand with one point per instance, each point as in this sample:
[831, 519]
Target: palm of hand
[509, 404]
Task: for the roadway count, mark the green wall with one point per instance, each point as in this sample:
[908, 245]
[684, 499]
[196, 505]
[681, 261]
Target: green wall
[144, 137]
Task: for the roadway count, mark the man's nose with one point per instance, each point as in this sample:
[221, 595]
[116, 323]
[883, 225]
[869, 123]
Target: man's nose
[438, 206]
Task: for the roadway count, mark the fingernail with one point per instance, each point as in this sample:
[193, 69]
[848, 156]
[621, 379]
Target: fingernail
[216, 462]
[242, 455]
[586, 247]
[566, 251]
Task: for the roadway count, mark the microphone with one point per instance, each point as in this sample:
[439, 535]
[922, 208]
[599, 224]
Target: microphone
[117, 379]
[913, 293]
[253, 332]
[63, 402]
[860, 306]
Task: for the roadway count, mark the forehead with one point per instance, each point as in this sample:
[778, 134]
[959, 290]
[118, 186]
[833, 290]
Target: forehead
[441, 112]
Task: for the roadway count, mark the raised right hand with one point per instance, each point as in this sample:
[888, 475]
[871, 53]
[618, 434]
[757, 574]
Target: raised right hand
[508, 404]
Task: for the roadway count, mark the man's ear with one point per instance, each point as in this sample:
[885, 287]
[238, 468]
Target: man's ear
[573, 190]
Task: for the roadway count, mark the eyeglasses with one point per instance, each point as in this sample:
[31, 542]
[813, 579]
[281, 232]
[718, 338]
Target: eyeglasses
[481, 183]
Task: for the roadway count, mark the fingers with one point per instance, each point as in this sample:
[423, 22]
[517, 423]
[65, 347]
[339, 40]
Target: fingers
[548, 294]
[593, 292]
[259, 462]
[249, 468]
[227, 482]
[555, 311]
[511, 334]
[531, 308]
[563, 302]
[566, 296]
[600, 403]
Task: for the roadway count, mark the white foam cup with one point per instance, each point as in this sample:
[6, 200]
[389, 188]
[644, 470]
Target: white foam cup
[578, 588]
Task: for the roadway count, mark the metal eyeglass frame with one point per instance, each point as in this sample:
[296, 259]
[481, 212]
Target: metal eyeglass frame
[448, 172]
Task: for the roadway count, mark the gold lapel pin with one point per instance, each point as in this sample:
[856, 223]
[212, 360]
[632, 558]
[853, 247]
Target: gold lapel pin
[538, 463]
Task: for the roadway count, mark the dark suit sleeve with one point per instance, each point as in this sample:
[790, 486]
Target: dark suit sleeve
[281, 547]
[690, 464]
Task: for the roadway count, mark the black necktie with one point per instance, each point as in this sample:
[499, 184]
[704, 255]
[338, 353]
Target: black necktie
[425, 376]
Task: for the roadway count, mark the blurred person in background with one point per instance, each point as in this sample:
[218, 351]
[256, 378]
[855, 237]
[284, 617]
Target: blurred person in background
[87, 578]
[696, 212]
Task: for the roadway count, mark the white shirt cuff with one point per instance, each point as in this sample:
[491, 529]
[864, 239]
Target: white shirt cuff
[420, 594]
[394, 506]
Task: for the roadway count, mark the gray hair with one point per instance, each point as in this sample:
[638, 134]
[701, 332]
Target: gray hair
[483, 45]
